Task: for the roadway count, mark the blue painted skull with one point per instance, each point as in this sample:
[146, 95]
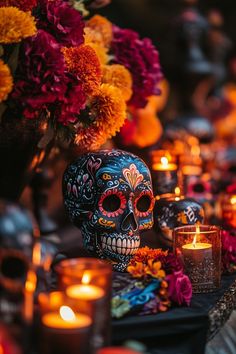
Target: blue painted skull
[109, 195]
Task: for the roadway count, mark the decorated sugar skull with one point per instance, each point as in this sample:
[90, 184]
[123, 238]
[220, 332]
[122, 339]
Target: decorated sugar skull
[173, 212]
[109, 195]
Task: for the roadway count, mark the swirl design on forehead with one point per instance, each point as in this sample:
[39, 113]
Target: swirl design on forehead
[133, 176]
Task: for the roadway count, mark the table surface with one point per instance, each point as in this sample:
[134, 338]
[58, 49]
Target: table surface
[182, 329]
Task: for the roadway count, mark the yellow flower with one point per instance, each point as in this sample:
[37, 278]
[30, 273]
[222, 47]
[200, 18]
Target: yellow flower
[15, 25]
[6, 81]
[83, 61]
[137, 270]
[106, 114]
[118, 76]
[102, 27]
[101, 52]
[154, 269]
[109, 109]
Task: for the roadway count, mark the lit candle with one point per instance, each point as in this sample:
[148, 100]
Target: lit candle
[85, 291]
[197, 257]
[164, 165]
[66, 332]
[66, 319]
[165, 177]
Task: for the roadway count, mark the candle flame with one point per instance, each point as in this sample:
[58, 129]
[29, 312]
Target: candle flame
[196, 235]
[177, 191]
[233, 199]
[86, 278]
[164, 160]
[67, 314]
[36, 256]
[31, 281]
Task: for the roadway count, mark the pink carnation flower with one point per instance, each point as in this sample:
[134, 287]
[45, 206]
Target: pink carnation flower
[141, 58]
[180, 288]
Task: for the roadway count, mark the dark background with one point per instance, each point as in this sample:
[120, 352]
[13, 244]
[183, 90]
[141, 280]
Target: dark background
[156, 18]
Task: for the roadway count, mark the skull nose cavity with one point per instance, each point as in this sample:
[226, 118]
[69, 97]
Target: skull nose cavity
[129, 222]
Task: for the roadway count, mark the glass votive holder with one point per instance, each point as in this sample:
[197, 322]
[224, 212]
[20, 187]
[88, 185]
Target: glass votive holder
[87, 281]
[63, 328]
[199, 247]
[164, 172]
[228, 210]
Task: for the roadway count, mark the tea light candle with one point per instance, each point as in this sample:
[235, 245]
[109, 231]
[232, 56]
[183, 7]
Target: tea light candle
[165, 177]
[66, 332]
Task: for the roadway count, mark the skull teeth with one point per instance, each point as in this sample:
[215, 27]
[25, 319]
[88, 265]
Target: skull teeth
[127, 246]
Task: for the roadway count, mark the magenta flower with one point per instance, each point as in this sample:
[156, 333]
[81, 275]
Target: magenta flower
[41, 76]
[228, 251]
[180, 288]
[142, 59]
[68, 110]
[62, 21]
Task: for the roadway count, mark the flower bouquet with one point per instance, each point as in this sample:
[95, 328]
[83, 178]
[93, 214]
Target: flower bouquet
[156, 282]
[64, 77]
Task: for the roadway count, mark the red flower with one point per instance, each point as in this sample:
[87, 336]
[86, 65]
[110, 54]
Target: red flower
[142, 60]
[180, 288]
[41, 74]
[62, 21]
[24, 5]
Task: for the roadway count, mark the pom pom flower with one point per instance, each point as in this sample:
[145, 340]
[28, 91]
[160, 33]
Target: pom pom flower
[6, 81]
[84, 63]
[107, 112]
[103, 27]
[15, 25]
[118, 76]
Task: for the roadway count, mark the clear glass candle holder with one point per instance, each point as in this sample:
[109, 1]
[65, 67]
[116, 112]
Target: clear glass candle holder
[199, 247]
[164, 172]
[64, 328]
[87, 281]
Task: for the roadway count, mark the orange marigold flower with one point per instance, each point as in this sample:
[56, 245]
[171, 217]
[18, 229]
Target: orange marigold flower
[15, 25]
[101, 25]
[109, 109]
[106, 114]
[83, 61]
[154, 269]
[137, 270]
[90, 138]
[6, 81]
[117, 75]
[101, 52]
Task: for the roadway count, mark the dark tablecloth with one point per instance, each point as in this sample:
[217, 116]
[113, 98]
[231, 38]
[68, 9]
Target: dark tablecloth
[181, 330]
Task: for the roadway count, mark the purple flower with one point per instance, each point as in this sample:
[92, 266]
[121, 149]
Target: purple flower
[62, 21]
[142, 59]
[180, 288]
[41, 76]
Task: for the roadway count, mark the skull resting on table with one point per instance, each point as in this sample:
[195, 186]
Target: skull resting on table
[108, 194]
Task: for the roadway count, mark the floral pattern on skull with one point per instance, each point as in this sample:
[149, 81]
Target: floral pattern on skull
[109, 195]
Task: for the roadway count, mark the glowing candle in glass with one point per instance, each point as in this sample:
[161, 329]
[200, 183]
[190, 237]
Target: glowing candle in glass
[65, 331]
[165, 178]
[200, 249]
[87, 281]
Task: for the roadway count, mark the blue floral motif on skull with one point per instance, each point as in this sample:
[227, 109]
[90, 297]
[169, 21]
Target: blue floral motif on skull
[109, 195]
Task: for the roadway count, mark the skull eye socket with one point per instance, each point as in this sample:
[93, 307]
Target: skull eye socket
[111, 203]
[144, 205]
